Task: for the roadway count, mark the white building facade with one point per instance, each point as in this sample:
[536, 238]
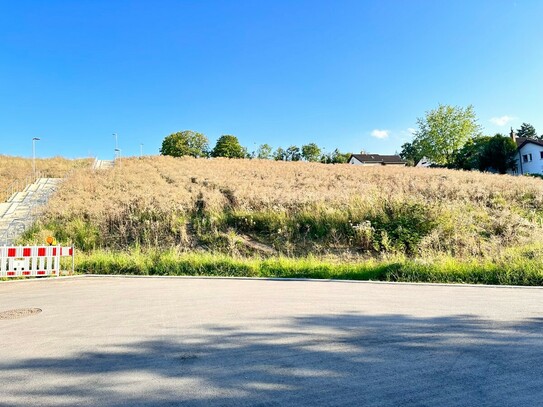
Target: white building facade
[529, 156]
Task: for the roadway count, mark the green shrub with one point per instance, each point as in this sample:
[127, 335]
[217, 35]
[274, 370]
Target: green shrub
[400, 226]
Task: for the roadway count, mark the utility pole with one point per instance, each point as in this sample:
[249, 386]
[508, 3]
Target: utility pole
[141, 150]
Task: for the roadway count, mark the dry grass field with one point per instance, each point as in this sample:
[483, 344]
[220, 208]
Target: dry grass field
[17, 169]
[184, 216]
[296, 208]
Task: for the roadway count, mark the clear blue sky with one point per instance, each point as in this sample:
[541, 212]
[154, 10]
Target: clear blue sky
[334, 72]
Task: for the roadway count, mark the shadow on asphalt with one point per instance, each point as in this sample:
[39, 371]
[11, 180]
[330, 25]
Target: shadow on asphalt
[350, 359]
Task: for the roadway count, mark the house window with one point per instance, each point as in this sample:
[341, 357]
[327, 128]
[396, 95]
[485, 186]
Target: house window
[527, 158]
[541, 154]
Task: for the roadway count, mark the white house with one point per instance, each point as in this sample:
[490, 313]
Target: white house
[376, 159]
[529, 155]
[424, 162]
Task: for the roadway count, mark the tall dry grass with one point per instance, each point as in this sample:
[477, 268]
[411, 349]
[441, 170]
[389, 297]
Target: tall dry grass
[297, 207]
[18, 169]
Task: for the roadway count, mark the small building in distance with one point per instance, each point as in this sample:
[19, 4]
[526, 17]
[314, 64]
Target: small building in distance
[376, 159]
[529, 155]
[424, 162]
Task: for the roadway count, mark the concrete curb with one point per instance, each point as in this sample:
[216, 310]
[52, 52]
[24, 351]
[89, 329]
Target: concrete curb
[41, 279]
[314, 280]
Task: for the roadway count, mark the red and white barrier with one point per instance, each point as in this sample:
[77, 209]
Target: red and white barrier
[28, 261]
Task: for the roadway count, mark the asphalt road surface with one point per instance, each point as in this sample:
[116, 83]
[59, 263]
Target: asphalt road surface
[240, 342]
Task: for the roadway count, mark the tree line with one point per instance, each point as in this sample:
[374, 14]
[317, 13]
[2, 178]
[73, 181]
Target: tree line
[449, 136]
[194, 144]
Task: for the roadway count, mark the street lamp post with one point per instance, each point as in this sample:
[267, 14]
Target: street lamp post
[116, 144]
[34, 155]
[118, 155]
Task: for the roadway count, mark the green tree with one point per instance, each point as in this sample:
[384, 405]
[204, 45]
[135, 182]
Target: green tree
[528, 131]
[185, 142]
[499, 153]
[228, 146]
[443, 131]
[337, 157]
[469, 156]
[411, 152]
[326, 158]
[293, 154]
[280, 154]
[264, 152]
[311, 152]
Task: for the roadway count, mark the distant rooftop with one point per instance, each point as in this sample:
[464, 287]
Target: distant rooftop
[378, 158]
[523, 140]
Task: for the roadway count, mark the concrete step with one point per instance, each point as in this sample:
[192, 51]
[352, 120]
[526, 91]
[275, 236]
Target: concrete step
[19, 197]
[21, 210]
[48, 182]
[104, 164]
[11, 197]
[4, 206]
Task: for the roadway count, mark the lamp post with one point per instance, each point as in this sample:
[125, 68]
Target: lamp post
[34, 155]
[116, 144]
[118, 155]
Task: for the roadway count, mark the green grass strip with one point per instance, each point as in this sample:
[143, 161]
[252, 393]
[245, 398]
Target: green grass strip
[521, 271]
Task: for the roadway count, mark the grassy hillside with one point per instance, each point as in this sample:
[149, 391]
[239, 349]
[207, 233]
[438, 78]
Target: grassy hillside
[263, 209]
[18, 169]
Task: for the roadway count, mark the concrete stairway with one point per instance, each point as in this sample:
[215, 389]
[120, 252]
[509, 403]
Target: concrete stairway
[22, 208]
[103, 164]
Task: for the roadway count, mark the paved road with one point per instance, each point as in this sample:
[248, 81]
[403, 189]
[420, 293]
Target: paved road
[200, 342]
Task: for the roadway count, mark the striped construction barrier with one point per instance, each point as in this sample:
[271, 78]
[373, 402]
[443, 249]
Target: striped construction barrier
[33, 261]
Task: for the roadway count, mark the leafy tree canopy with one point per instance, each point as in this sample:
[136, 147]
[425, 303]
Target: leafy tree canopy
[340, 158]
[499, 153]
[264, 152]
[311, 152]
[185, 142]
[444, 130]
[469, 156]
[496, 153]
[280, 154]
[527, 130]
[293, 154]
[228, 146]
[335, 157]
[411, 152]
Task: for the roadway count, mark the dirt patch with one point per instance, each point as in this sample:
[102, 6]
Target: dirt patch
[19, 313]
[250, 242]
